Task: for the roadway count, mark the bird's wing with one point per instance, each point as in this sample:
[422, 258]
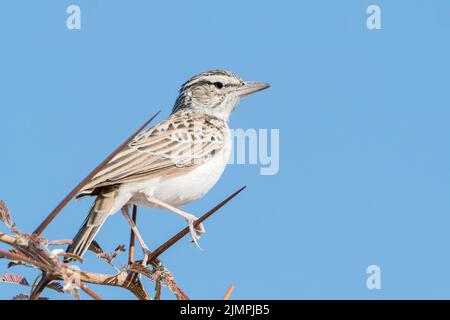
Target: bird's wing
[174, 146]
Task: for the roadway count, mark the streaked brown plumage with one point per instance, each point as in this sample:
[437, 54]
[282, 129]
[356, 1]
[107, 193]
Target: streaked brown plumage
[173, 163]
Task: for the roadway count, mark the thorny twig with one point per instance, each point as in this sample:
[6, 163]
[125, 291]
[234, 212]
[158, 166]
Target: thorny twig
[56, 270]
[31, 250]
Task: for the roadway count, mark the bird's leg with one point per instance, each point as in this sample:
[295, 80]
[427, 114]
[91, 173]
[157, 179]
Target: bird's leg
[145, 249]
[195, 232]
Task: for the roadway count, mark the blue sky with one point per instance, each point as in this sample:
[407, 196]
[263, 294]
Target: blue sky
[363, 119]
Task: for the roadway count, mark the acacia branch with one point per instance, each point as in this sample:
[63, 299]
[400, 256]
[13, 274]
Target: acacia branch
[28, 250]
[54, 270]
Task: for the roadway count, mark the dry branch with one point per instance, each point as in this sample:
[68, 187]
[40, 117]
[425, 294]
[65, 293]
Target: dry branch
[32, 250]
[57, 272]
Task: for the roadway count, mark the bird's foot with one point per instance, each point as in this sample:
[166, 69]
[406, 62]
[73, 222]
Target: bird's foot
[197, 231]
[146, 253]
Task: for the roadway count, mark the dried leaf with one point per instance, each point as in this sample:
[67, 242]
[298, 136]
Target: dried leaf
[5, 216]
[139, 268]
[13, 264]
[118, 250]
[108, 257]
[21, 296]
[55, 286]
[95, 247]
[14, 278]
[161, 277]
[164, 276]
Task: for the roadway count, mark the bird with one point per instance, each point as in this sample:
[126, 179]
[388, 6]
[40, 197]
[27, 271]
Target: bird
[173, 163]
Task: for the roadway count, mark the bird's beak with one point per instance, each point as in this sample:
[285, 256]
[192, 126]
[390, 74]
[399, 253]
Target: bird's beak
[251, 87]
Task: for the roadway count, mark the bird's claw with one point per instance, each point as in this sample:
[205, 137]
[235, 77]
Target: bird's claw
[197, 231]
[147, 253]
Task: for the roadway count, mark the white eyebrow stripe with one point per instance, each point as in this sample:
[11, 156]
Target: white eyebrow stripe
[224, 77]
[211, 79]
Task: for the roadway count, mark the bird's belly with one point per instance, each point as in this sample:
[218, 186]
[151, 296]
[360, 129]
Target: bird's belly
[181, 189]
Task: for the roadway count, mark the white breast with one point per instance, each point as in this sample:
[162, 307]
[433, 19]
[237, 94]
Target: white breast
[182, 189]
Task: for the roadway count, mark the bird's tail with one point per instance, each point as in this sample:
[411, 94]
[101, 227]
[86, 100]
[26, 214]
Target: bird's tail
[98, 213]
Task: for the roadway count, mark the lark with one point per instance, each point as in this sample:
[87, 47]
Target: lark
[172, 163]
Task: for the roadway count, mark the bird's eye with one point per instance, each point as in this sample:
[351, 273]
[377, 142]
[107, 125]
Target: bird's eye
[218, 85]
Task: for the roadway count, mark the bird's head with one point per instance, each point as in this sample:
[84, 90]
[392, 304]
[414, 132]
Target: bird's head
[215, 92]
